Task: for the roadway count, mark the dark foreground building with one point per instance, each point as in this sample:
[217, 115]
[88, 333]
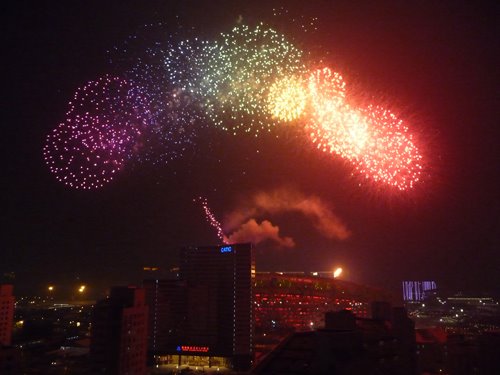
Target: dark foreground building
[384, 344]
[9, 356]
[287, 303]
[119, 333]
[206, 317]
[6, 314]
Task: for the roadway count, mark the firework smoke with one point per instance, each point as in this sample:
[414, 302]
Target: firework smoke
[253, 232]
[286, 200]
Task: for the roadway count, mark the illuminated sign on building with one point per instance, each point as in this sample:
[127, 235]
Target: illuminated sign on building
[190, 348]
[226, 249]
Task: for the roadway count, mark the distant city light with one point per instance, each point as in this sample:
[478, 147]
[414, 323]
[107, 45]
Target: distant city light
[82, 288]
[417, 290]
[50, 288]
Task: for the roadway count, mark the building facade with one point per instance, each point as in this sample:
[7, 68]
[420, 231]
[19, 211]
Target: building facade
[286, 303]
[119, 333]
[6, 314]
[347, 345]
[207, 315]
[167, 301]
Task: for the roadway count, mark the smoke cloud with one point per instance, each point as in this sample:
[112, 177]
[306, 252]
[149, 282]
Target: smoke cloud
[279, 201]
[251, 231]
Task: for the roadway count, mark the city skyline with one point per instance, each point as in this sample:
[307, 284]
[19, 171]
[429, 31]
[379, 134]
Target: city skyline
[433, 64]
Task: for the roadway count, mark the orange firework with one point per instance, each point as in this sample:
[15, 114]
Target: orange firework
[390, 154]
[373, 139]
[335, 126]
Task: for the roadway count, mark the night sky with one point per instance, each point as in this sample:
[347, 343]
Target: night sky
[435, 63]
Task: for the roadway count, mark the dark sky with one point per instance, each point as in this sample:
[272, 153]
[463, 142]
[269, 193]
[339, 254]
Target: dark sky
[434, 62]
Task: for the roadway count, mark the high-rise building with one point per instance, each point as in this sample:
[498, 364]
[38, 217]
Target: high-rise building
[167, 301]
[6, 314]
[119, 333]
[211, 307]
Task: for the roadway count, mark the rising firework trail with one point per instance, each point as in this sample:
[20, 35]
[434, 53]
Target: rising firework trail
[210, 217]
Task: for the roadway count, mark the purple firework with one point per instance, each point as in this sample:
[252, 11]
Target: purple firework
[103, 129]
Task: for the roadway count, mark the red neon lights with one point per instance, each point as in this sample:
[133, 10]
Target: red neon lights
[189, 348]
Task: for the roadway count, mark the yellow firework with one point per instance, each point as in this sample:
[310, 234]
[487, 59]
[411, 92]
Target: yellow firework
[287, 98]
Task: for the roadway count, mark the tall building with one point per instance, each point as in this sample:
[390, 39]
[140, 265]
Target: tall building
[119, 333]
[209, 311]
[167, 300]
[6, 314]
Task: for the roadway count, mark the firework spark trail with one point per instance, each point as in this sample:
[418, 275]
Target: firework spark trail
[250, 231]
[210, 217]
[102, 127]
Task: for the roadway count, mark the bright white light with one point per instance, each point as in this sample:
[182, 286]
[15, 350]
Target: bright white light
[337, 272]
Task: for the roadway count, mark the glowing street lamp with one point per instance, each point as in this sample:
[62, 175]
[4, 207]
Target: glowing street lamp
[50, 288]
[81, 289]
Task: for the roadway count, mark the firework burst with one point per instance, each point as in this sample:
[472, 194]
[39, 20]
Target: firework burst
[333, 125]
[287, 99]
[164, 70]
[374, 139]
[248, 81]
[390, 154]
[101, 132]
[238, 72]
